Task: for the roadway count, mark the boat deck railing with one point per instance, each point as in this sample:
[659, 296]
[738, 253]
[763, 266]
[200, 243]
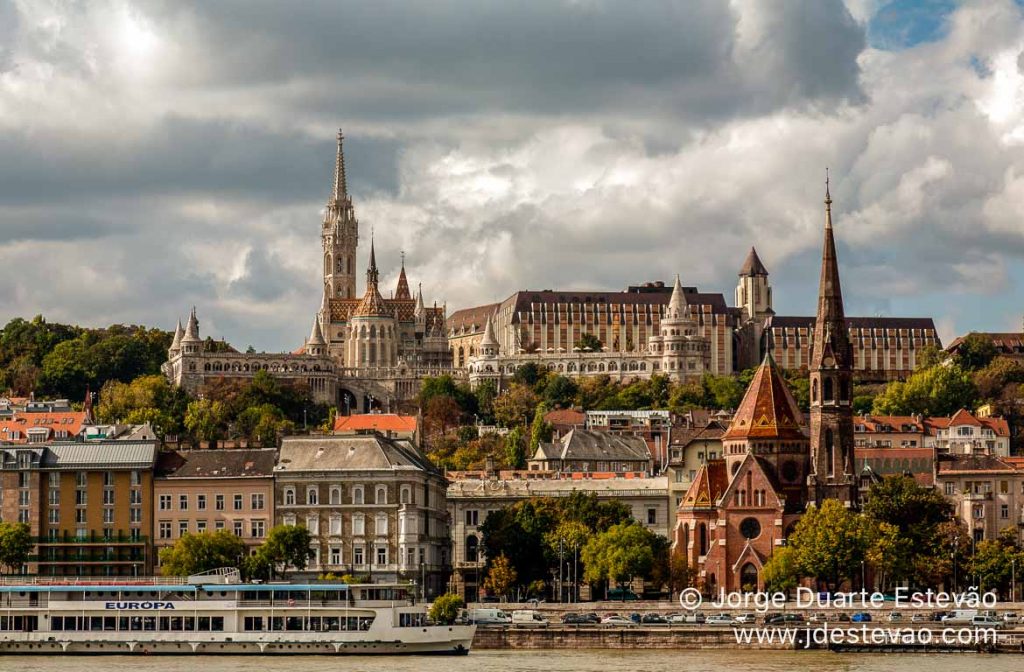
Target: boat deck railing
[93, 581]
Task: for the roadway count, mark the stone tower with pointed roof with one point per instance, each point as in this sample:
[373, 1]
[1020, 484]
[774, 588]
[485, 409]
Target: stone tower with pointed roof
[340, 234]
[684, 353]
[365, 351]
[754, 304]
[831, 372]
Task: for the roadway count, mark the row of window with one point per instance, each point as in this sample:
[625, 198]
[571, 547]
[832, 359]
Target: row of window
[336, 528]
[257, 528]
[137, 623]
[134, 515]
[257, 502]
[302, 624]
[312, 498]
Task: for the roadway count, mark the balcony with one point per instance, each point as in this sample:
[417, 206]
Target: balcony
[91, 540]
[978, 497]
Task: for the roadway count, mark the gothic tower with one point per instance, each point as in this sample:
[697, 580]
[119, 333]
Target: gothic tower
[832, 459]
[753, 293]
[340, 235]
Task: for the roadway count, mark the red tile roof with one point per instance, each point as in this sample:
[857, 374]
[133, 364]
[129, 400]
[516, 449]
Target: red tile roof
[566, 417]
[708, 485]
[768, 409]
[381, 422]
[15, 428]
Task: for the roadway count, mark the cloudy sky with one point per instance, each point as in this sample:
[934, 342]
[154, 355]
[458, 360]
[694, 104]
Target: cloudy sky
[159, 155]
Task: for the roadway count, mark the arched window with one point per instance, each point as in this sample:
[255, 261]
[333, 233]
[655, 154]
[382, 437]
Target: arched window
[312, 495]
[748, 577]
[844, 391]
[472, 545]
[814, 391]
[405, 495]
[830, 450]
[335, 495]
[357, 494]
[828, 394]
[289, 496]
[703, 541]
[381, 496]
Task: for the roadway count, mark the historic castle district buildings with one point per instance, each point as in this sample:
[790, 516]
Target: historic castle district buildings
[676, 331]
[363, 351]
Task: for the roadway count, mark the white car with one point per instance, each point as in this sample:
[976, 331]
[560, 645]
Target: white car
[1011, 618]
[719, 619]
[616, 621]
[745, 619]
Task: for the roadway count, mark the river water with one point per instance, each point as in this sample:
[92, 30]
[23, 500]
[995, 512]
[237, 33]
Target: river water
[537, 661]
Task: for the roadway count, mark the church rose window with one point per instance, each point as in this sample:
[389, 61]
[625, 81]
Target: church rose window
[750, 528]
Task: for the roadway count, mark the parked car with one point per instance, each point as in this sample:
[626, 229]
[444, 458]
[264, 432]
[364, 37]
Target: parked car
[895, 617]
[622, 595]
[921, 617]
[616, 621]
[746, 619]
[1011, 618]
[939, 615]
[861, 617]
[572, 619]
[591, 618]
[786, 619]
[653, 619]
[987, 622]
[692, 618]
[719, 619]
[818, 617]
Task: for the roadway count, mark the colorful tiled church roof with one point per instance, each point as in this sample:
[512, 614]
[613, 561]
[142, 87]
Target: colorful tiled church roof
[768, 409]
[708, 485]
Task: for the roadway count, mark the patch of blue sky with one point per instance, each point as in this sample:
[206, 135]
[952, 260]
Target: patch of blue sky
[902, 24]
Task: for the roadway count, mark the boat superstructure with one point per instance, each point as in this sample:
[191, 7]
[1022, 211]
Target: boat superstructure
[217, 614]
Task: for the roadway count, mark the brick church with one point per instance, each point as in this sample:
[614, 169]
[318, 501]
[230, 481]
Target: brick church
[742, 506]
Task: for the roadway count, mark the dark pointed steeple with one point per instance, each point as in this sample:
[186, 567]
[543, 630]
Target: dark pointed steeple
[753, 266]
[402, 291]
[831, 373]
[372, 276]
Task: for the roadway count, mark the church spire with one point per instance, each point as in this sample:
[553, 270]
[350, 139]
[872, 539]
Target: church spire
[339, 188]
[402, 292]
[831, 382]
[372, 275]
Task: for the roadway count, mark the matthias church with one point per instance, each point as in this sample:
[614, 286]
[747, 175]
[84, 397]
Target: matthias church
[363, 352]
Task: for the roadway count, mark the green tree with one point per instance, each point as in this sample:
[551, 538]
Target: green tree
[446, 608]
[992, 564]
[622, 552]
[723, 392]
[890, 554]
[781, 573]
[515, 449]
[915, 510]
[205, 419]
[201, 552]
[529, 374]
[486, 393]
[540, 429]
[588, 342]
[287, 546]
[516, 406]
[976, 351]
[829, 543]
[560, 391]
[940, 390]
[501, 577]
[15, 545]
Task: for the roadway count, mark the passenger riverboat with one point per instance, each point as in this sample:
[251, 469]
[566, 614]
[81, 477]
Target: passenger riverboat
[218, 614]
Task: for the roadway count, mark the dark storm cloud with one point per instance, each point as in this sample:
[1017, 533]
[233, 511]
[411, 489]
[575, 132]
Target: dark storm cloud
[426, 59]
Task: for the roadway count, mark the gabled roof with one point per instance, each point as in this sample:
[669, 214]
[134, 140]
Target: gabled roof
[582, 444]
[960, 464]
[233, 463]
[349, 452]
[566, 417]
[708, 485]
[768, 409]
[94, 455]
[752, 462]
